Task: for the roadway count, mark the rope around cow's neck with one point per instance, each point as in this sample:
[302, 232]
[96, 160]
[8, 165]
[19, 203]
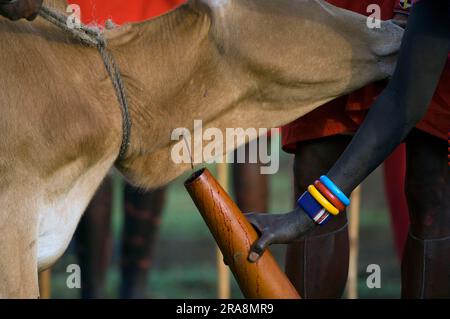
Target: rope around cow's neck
[94, 38]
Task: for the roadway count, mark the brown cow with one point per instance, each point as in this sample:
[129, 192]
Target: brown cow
[240, 63]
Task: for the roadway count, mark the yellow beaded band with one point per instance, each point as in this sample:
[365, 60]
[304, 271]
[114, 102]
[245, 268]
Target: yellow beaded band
[322, 200]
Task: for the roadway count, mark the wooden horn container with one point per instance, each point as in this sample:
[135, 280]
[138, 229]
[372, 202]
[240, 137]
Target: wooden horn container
[234, 236]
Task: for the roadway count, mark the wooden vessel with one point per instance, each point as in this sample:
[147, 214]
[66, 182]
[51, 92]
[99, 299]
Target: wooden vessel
[234, 236]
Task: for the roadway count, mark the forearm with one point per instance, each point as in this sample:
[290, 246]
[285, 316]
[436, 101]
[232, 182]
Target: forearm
[405, 100]
[385, 127]
[421, 61]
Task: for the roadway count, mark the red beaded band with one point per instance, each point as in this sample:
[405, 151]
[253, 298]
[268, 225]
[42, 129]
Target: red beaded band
[329, 195]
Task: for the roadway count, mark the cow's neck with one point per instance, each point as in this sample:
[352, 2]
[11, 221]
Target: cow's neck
[157, 59]
[56, 4]
[167, 65]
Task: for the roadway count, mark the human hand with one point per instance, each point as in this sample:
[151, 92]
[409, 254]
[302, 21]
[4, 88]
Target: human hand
[278, 229]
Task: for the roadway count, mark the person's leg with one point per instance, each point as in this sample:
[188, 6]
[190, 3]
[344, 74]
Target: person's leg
[93, 242]
[142, 219]
[394, 182]
[251, 188]
[426, 259]
[318, 264]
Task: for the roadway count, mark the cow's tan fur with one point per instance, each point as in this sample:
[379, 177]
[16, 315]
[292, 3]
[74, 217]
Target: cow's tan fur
[235, 63]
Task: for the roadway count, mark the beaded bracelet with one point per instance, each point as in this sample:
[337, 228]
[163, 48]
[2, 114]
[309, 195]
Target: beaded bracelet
[322, 200]
[329, 195]
[313, 209]
[335, 190]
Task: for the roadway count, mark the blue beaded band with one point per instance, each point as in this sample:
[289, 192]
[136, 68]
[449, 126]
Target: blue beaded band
[313, 209]
[335, 190]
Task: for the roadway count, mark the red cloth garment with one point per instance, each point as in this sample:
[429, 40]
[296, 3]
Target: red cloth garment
[344, 115]
[437, 120]
[120, 11]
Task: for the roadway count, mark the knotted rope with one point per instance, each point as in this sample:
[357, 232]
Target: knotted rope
[93, 37]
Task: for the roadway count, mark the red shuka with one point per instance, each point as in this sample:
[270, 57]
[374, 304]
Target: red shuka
[120, 11]
[345, 114]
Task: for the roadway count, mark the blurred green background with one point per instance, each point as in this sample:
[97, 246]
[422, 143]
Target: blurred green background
[185, 258]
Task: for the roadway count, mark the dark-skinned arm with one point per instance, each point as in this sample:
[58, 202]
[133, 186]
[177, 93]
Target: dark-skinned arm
[399, 108]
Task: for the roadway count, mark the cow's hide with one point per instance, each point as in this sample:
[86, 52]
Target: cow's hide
[230, 63]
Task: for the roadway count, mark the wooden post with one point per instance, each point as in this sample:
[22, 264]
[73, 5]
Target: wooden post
[354, 212]
[45, 284]
[223, 275]
[235, 235]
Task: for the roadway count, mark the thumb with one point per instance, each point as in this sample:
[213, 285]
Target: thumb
[258, 248]
[254, 220]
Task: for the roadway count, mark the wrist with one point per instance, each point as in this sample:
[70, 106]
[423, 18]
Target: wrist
[303, 223]
[322, 201]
